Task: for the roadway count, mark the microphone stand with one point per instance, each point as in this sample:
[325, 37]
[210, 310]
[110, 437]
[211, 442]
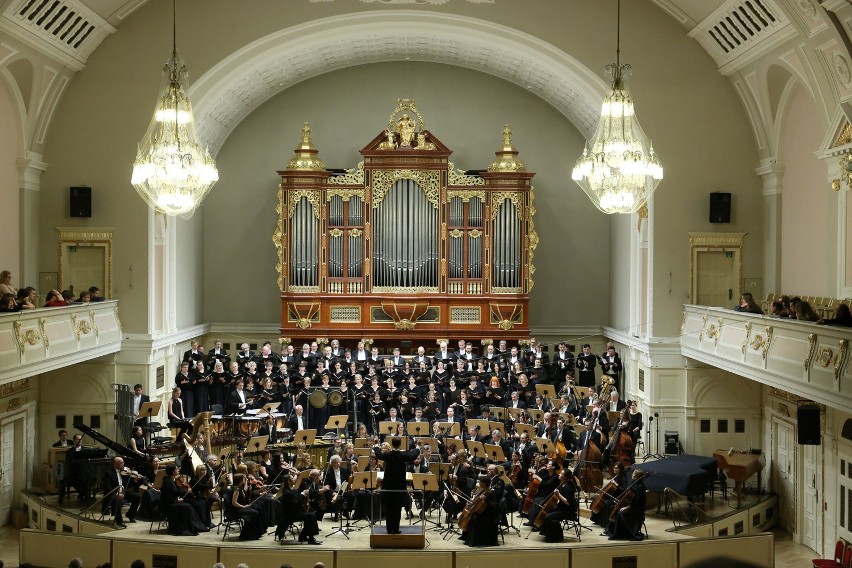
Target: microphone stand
[656, 455]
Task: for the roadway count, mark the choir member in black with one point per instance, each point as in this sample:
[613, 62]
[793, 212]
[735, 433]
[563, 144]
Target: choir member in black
[265, 355]
[394, 495]
[423, 374]
[219, 385]
[288, 356]
[390, 393]
[317, 493]
[412, 389]
[376, 412]
[482, 528]
[451, 393]
[538, 374]
[241, 505]
[182, 517]
[294, 510]
[300, 375]
[406, 408]
[218, 353]
[360, 394]
[431, 407]
[244, 356]
[251, 386]
[339, 375]
[195, 353]
[631, 516]
[441, 374]
[177, 415]
[620, 480]
[635, 422]
[548, 482]
[285, 396]
[234, 372]
[476, 394]
[443, 354]
[565, 508]
[459, 480]
[373, 378]
[586, 363]
[185, 381]
[267, 372]
[563, 360]
[460, 373]
[238, 400]
[268, 393]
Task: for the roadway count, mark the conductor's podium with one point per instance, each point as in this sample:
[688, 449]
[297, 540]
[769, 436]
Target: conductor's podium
[411, 536]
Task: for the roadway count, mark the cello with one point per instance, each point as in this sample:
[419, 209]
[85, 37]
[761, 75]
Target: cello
[621, 445]
[588, 470]
[476, 506]
[532, 488]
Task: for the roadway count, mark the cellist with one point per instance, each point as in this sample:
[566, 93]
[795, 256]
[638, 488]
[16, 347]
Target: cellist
[628, 519]
[548, 482]
[565, 508]
[482, 526]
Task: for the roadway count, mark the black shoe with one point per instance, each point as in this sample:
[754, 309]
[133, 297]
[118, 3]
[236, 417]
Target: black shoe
[312, 540]
[408, 515]
[131, 520]
[334, 518]
[528, 524]
[119, 525]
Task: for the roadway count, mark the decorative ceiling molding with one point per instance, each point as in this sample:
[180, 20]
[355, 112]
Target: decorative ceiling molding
[232, 89]
[433, 2]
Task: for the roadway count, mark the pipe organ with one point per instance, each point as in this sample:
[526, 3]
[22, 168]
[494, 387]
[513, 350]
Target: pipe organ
[404, 245]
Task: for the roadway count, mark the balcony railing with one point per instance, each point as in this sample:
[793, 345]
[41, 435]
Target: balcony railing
[36, 341]
[805, 359]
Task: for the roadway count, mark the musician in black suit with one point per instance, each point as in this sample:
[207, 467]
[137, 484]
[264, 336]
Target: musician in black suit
[611, 364]
[395, 498]
[305, 356]
[482, 528]
[563, 360]
[590, 435]
[138, 400]
[443, 354]
[586, 362]
[116, 495]
[335, 477]
[237, 400]
[269, 429]
[298, 421]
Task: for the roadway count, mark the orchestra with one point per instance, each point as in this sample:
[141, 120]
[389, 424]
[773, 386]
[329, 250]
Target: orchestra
[496, 404]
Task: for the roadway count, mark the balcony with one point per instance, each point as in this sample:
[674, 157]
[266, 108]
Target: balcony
[37, 341]
[802, 358]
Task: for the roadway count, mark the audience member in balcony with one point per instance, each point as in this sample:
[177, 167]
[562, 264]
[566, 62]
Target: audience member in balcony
[748, 305]
[8, 303]
[777, 309]
[95, 294]
[85, 298]
[791, 306]
[68, 296]
[805, 312]
[26, 298]
[6, 283]
[842, 317]
[55, 300]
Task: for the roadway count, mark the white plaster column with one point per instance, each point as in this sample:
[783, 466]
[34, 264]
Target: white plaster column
[772, 175]
[30, 169]
[837, 183]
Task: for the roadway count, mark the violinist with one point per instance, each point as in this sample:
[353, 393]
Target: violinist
[517, 471]
[294, 509]
[630, 517]
[317, 493]
[483, 525]
[116, 494]
[337, 480]
[565, 507]
[241, 505]
[183, 518]
[458, 482]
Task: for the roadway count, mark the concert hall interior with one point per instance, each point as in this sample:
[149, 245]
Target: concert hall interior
[440, 137]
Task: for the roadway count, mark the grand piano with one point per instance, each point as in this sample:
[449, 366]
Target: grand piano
[85, 468]
[740, 466]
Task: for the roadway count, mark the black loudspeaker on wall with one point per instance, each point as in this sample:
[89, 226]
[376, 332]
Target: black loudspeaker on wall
[808, 417]
[720, 207]
[81, 201]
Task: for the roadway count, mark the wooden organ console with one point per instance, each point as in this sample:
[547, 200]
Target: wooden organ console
[405, 246]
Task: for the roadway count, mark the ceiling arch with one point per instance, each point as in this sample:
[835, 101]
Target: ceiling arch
[240, 83]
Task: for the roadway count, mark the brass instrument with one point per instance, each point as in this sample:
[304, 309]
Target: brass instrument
[609, 386]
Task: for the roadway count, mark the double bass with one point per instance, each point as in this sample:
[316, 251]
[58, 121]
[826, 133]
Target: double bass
[588, 470]
[621, 445]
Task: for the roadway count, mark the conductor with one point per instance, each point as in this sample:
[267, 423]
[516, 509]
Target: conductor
[395, 499]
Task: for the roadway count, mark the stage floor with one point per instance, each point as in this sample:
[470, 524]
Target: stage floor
[659, 530]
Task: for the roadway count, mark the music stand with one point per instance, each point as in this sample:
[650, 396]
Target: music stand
[498, 412]
[569, 418]
[271, 407]
[515, 412]
[149, 409]
[403, 441]
[494, 425]
[495, 452]
[418, 429]
[528, 428]
[536, 414]
[363, 462]
[306, 436]
[388, 427]
[449, 428]
[362, 442]
[337, 422]
[475, 448]
[424, 482]
[366, 480]
[303, 475]
[544, 445]
[362, 451]
[257, 442]
[546, 391]
[480, 424]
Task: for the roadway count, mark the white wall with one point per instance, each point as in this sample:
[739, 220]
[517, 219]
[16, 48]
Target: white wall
[9, 192]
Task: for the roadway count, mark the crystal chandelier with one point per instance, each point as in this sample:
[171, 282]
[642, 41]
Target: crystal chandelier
[173, 171]
[618, 169]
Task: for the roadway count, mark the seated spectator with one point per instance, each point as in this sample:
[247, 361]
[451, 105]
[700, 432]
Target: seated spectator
[95, 294]
[6, 283]
[842, 317]
[748, 305]
[55, 300]
[777, 309]
[805, 312]
[8, 303]
[26, 298]
[791, 306]
[68, 296]
[84, 298]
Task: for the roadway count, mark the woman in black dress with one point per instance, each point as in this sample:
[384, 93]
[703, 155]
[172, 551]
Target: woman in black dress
[241, 505]
[182, 518]
[293, 510]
